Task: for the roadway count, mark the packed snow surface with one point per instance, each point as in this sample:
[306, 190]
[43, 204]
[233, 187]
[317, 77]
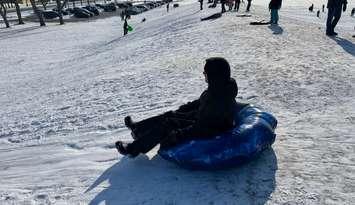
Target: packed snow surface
[64, 91]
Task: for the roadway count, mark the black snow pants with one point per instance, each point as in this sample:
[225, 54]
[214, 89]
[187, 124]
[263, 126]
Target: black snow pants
[248, 5]
[223, 2]
[334, 14]
[150, 132]
[236, 5]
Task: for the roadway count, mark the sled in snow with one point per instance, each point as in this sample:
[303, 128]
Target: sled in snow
[129, 28]
[263, 22]
[254, 133]
[243, 15]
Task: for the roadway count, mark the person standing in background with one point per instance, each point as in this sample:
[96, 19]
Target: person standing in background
[223, 3]
[236, 5]
[274, 7]
[248, 6]
[122, 15]
[334, 13]
[125, 27]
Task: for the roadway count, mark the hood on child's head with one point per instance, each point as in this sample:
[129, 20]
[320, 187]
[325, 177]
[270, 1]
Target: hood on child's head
[219, 78]
[217, 70]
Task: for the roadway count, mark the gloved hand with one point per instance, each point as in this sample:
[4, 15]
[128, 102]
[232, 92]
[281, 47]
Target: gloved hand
[344, 8]
[171, 140]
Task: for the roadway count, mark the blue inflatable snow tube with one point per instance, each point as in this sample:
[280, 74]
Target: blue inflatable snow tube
[253, 134]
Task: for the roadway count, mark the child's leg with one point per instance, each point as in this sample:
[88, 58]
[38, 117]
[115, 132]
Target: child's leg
[329, 20]
[149, 140]
[276, 16]
[144, 127]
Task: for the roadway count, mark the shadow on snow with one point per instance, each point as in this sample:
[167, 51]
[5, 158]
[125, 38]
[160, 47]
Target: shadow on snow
[276, 29]
[156, 181]
[347, 45]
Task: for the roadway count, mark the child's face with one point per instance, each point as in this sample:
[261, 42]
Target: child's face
[205, 74]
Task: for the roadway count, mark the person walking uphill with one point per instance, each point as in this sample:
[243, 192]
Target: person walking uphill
[125, 27]
[334, 14]
[205, 117]
[274, 7]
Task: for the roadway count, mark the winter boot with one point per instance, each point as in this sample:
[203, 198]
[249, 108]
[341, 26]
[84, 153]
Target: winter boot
[123, 148]
[129, 123]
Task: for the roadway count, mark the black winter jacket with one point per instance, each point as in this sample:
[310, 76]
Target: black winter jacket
[212, 113]
[336, 3]
[275, 4]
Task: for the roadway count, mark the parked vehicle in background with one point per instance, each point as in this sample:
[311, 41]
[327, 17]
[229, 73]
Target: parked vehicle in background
[50, 14]
[124, 5]
[133, 11]
[151, 5]
[107, 7]
[92, 9]
[81, 13]
[142, 7]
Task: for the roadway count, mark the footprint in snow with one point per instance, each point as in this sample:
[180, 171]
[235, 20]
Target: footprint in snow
[74, 146]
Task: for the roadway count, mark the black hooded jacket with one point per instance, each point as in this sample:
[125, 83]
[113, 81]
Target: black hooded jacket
[336, 3]
[214, 111]
[210, 115]
[275, 4]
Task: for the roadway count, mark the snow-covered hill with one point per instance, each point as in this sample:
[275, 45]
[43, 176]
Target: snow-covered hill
[64, 91]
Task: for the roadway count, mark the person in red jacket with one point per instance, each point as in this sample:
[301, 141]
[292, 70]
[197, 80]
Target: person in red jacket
[211, 114]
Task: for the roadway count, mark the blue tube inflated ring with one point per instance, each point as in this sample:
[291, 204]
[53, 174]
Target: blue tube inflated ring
[253, 134]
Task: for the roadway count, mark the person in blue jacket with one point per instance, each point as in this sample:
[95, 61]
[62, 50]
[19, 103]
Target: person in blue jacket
[205, 117]
[274, 7]
[334, 13]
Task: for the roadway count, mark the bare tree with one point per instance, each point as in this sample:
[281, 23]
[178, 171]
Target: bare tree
[44, 3]
[3, 14]
[65, 2]
[38, 13]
